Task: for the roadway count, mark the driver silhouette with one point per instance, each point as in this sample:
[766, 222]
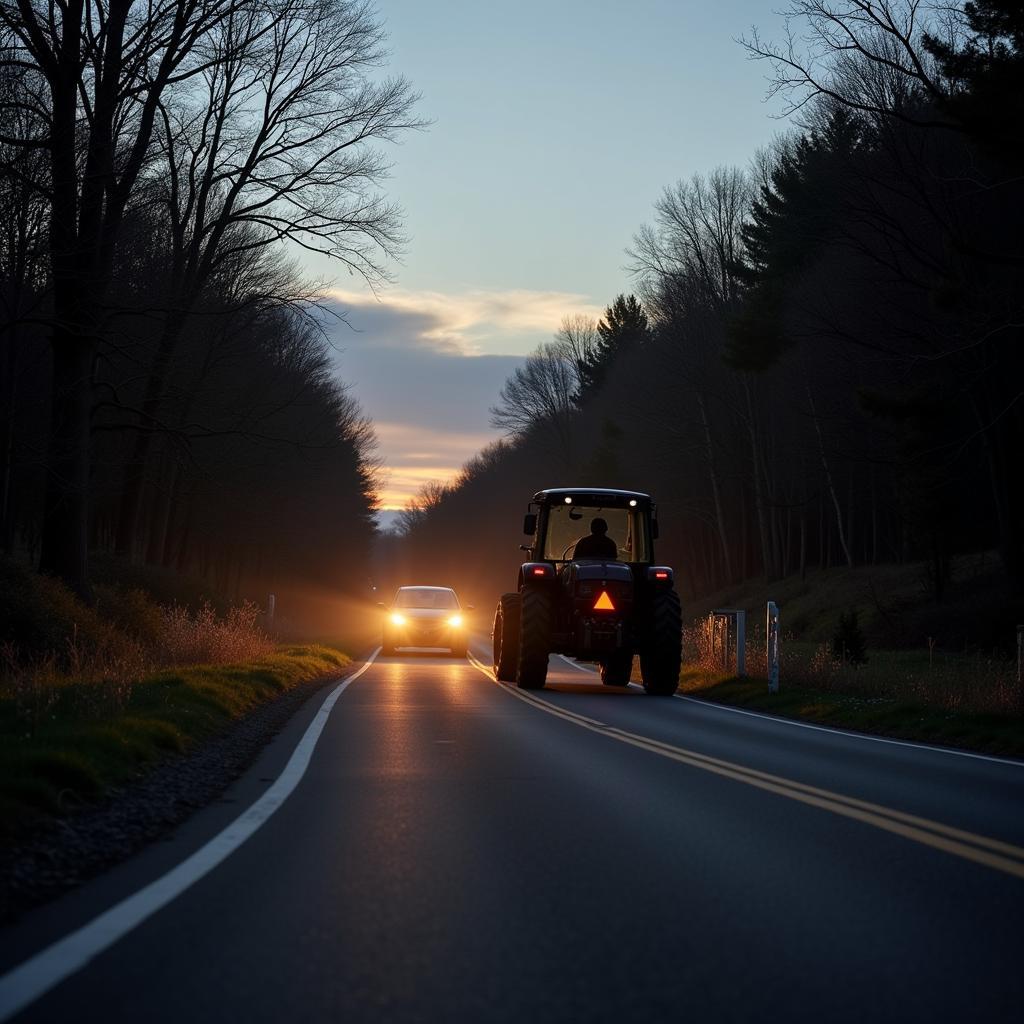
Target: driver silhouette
[597, 544]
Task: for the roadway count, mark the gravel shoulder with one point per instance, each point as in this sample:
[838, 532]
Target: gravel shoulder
[62, 853]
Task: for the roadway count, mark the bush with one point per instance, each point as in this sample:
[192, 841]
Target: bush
[848, 643]
[202, 637]
[59, 654]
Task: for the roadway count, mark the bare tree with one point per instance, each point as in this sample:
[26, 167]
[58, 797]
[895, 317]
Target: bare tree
[540, 396]
[578, 340]
[867, 54]
[697, 237]
[272, 142]
[687, 263]
[98, 69]
[419, 507]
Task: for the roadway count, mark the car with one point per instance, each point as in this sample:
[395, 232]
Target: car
[592, 591]
[422, 616]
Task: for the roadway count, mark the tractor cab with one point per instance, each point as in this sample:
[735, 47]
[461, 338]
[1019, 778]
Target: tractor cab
[560, 519]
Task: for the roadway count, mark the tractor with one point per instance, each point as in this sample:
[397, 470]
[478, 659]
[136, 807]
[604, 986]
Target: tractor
[591, 591]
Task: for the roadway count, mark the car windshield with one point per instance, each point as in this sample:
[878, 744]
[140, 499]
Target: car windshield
[569, 524]
[424, 597]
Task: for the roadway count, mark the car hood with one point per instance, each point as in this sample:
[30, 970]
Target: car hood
[426, 614]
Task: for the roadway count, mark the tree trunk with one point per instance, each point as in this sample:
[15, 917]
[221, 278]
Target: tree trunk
[135, 470]
[7, 427]
[803, 543]
[156, 548]
[709, 451]
[65, 540]
[828, 478]
[1003, 454]
[762, 524]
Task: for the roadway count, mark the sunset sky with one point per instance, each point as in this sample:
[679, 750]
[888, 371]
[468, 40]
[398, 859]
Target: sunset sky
[555, 127]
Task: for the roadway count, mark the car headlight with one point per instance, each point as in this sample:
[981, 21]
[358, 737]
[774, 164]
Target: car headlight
[398, 620]
[455, 620]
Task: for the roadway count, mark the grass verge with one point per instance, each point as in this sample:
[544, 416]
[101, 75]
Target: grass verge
[71, 750]
[990, 733]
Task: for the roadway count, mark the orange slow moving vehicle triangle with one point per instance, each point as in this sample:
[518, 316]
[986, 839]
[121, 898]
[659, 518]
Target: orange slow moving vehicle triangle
[604, 603]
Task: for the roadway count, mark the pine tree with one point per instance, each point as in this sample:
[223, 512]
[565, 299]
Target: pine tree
[792, 218]
[624, 328]
[986, 76]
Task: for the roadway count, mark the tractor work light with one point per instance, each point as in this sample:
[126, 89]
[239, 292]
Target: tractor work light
[568, 500]
[398, 620]
[632, 502]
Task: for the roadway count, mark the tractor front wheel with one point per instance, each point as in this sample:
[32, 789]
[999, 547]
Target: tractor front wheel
[506, 638]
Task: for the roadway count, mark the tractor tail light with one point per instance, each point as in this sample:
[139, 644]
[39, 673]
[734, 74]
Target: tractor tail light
[538, 571]
[659, 574]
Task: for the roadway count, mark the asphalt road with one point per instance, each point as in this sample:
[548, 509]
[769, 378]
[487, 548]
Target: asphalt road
[455, 851]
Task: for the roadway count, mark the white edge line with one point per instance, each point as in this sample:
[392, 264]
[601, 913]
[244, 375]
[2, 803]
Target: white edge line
[36, 976]
[852, 735]
[574, 664]
[826, 728]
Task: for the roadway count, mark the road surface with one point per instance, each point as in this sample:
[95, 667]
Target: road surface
[454, 850]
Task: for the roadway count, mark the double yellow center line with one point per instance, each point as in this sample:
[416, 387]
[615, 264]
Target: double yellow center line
[993, 853]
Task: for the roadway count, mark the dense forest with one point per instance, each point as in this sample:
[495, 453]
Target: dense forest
[823, 361]
[167, 394]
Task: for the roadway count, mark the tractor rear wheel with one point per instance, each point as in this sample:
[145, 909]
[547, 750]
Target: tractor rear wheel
[534, 638]
[506, 638]
[661, 656]
[617, 668]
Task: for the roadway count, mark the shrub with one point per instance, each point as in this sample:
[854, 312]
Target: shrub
[848, 643]
[201, 637]
[60, 655]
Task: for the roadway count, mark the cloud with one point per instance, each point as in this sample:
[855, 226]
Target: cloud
[416, 454]
[467, 323]
[427, 367]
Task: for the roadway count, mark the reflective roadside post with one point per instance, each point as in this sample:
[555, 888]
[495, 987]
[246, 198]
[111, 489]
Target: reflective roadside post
[271, 603]
[772, 636]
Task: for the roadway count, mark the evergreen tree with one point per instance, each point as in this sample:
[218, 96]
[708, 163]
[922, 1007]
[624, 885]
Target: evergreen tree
[624, 328]
[987, 75]
[793, 216]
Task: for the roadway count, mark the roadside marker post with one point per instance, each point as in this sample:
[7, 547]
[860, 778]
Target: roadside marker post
[271, 605]
[772, 639]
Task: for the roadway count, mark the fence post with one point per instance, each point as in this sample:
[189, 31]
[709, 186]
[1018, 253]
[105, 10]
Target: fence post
[271, 604]
[772, 639]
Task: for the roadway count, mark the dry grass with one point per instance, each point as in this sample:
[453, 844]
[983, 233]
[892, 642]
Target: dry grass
[970, 702]
[93, 672]
[204, 638]
[975, 683]
[59, 748]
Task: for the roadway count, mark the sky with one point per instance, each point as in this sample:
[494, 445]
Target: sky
[554, 128]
